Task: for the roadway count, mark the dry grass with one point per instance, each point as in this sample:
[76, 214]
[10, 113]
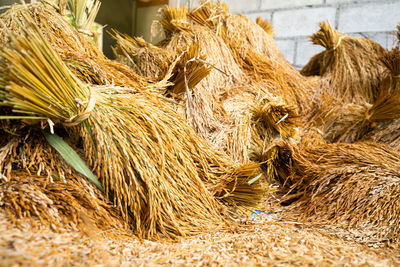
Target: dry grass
[352, 185]
[235, 113]
[265, 241]
[266, 25]
[350, 68]
[256, 53]
[73, 203]
[350, 122]
[80, 54]
[146, 59]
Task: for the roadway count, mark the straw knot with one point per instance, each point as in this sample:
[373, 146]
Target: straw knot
[80, 117]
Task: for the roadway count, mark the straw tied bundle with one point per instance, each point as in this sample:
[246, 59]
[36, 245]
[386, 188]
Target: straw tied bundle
[256, 53]
[162, 177]
[350, 68]
[80, 54]
[350, 122]
[356, 185]
[234, 114]
[388, 108]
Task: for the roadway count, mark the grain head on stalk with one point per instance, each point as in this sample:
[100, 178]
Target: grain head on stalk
[164, 179]
[148, 60]
[71, 204]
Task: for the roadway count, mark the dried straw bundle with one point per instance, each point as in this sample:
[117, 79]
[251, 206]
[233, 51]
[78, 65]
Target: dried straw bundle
[74, 203]
[159, 173]
[259, 119]
[349, 122]
[387, 111]
[351, 184]
[256, 53]
[210, 116]
[387, 133]
[342, 122]
[251, 35]
[80, 54]
[350, 67]
[146, 59]
[161, 64]
[235, 115]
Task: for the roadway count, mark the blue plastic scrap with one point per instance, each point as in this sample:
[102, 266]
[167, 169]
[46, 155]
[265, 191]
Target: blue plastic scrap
[255, 214]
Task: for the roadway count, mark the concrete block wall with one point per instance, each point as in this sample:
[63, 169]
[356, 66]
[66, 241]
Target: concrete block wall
[295, 20]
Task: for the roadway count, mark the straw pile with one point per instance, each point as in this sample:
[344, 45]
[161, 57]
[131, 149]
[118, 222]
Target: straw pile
[73, 203]
[264, 241]
[352, 121]
[162, 177]
[180, 161]
[233, 111]
[330, 178]
[387, 111]
[356, 185]
[256, 53]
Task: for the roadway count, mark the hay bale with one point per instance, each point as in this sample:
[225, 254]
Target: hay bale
[163, 178]
[350, 68]
[354, 185]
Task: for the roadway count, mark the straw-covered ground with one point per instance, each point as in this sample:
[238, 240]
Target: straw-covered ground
[265, 241]
[188, 138]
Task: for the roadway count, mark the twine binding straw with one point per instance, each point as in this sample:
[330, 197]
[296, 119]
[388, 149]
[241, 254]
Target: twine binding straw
[81, 117]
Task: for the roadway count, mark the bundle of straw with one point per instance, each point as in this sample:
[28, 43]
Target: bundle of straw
[58, 204]
[355, 185]
[255, 52]
[157, 171]
[350, 122]
[84, 13]
[80, 54]
[266, 25]
[233, 113]
[386, 110]
[146, 59]
[350, 67]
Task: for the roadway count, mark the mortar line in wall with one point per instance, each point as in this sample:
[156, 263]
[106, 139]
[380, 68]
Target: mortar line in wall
[295, 51]
[287, 8]
[325, 4]
[337, 17]
[271, 18]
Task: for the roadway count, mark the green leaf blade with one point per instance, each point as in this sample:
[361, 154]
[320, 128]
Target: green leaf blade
[71, 157]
